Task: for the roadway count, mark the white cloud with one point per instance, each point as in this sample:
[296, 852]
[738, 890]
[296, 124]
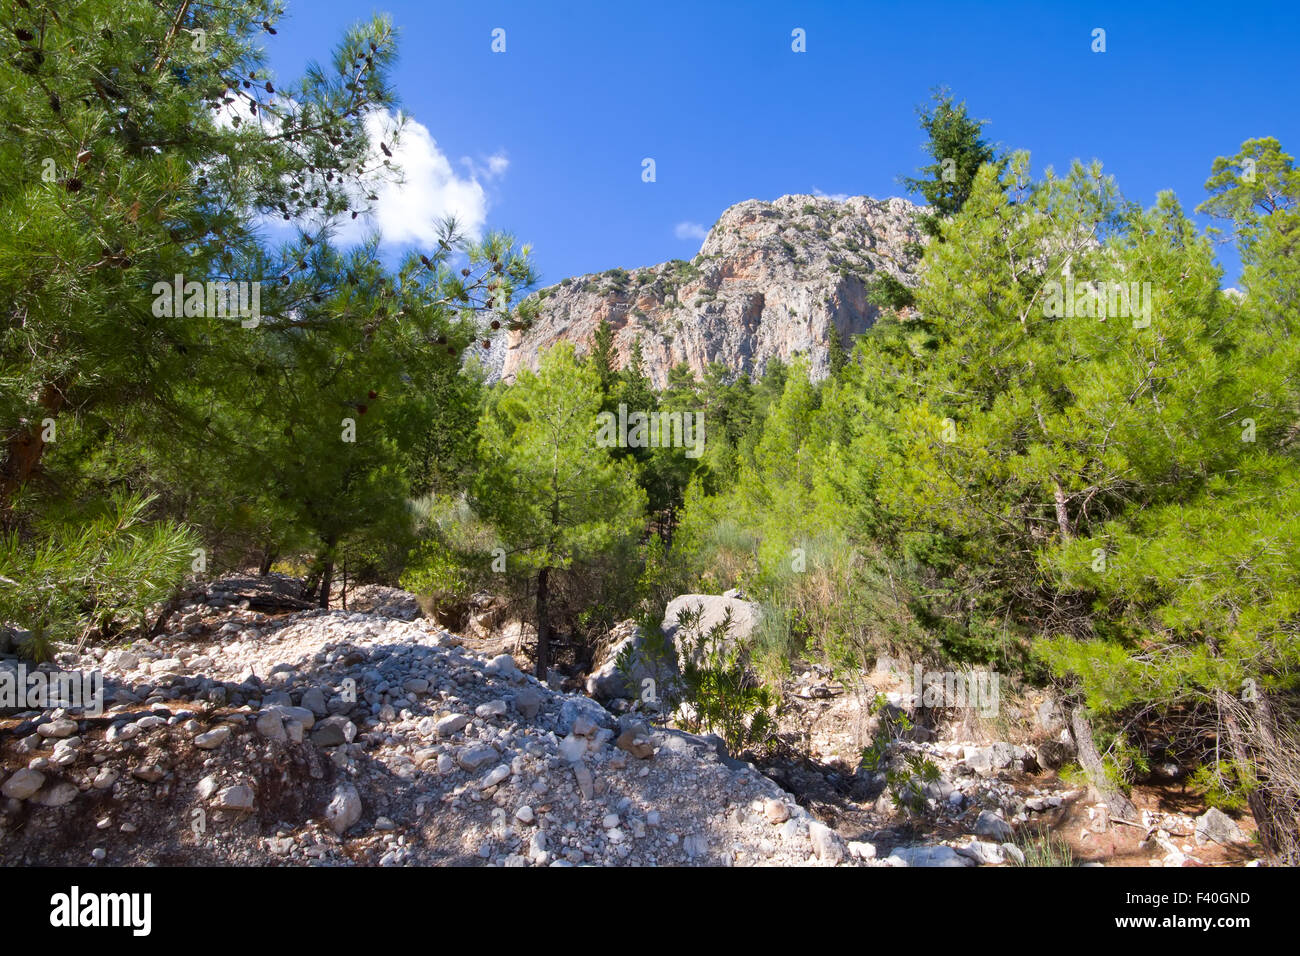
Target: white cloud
[690, 230]
[838, 197]
[416, 192]
[411, 207]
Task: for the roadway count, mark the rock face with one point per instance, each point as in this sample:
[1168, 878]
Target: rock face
[772, 280]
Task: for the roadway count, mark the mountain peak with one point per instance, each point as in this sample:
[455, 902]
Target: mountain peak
[773, 279]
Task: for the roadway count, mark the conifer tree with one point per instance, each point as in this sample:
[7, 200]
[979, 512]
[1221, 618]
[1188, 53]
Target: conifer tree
[553, 492]
[958, 149]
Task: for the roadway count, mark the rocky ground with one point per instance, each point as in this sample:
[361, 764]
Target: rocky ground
[373, 736]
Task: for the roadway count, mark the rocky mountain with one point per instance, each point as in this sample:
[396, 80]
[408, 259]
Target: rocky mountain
[772, 280]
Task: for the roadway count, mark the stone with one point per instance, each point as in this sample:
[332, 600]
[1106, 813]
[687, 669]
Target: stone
[271, 726]
[23, 784]
[416, 685]
[776, 811]
[635, 741]
[928, 855]
[862, 851]
[504, 665]
[207, 787]
[334, 732]
[695, 845]
[475, 758]
[313, 700]
[525, 814]
[528, 702]
[495, 776]
[713, 610]
[979, 759]
[63, 727]
[994, 827]
[289, 714]
[149, 773]
[452, 723]
[493, 708]
[981, 851]
[628, 663]
[58, 795]
[827, 845]
[213, 738]
[575, 707]
[1216, 826]
[344, 809]
[573, 748]
[586, 783]
[239, 797]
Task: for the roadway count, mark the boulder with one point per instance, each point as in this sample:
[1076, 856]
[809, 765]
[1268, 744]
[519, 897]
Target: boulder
[23, 784]
[994, 827]
[344, 809]
[1215, 826]
[827, 845]
[573, 708]
[712, 609]
[629, 661]
[928, 855]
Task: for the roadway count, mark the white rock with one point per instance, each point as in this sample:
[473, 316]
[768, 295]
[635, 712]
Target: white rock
[344, 810]
[64, 727]
[213, 738]
[450, 724]
[495, 776]
[862, 851]
[238, 797]
[23, 784]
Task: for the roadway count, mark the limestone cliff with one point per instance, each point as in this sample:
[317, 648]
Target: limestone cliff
[772, 280]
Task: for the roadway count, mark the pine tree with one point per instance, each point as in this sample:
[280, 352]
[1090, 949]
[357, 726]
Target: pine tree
[604, 356]
[956, 144]
[554, 493]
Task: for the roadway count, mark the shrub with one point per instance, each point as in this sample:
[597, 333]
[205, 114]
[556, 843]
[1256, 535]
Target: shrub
[97, 577]
[720, 693]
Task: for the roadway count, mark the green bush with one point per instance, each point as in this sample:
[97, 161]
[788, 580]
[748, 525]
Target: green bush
[92, 578]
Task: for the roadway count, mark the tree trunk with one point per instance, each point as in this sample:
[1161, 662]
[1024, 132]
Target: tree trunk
[25, 447]
[1116, 803]
[543, 625]
[1257, 797]
[1062, 516]
[268, 559]
[326, 580]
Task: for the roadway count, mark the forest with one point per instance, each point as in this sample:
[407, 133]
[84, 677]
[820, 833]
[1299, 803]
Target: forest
[1068, 453]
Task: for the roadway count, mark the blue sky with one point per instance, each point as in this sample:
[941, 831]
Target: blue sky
[715, 95]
